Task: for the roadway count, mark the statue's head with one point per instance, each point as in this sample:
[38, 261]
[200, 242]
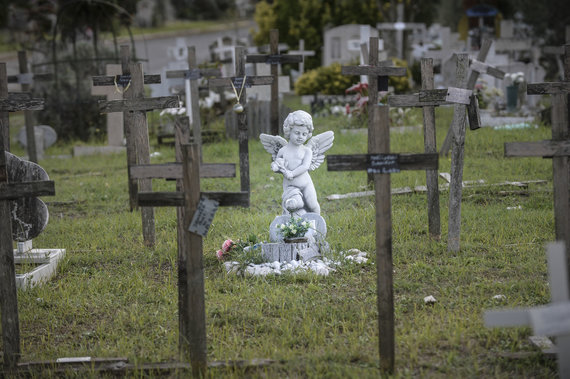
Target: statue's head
[298, 118]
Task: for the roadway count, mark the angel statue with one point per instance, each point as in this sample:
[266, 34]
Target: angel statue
[294, 159]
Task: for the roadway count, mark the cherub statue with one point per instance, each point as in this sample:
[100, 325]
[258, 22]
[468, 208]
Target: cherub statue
[294, 160]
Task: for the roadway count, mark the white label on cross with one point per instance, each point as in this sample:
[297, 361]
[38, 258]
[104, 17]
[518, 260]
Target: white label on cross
[458, 95]
[203, 216]
[480, 67]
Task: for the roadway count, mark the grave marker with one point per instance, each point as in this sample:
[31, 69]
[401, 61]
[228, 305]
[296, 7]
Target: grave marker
[191, 301]
[239, 83]
[192, 96]
[558, 148]
[304, 53]
[134, 107]
[478, 66]
[549, 320]
[380, 163]
[12, 191]
[274, 59]
[376, 74]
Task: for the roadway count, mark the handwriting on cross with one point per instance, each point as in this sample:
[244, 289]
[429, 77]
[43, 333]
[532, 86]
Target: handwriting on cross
[381, 163]
[549, 320]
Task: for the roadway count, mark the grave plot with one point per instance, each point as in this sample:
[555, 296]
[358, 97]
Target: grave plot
[22, 217]
[381, 163]
[134, 107]
[427, 99]
[558, 148]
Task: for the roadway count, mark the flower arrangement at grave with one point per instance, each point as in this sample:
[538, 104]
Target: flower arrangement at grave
[487, 95]
[514, 78]
[296, 227]
[243, 251]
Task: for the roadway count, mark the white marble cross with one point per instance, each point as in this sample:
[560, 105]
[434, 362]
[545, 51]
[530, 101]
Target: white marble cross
[551, 320]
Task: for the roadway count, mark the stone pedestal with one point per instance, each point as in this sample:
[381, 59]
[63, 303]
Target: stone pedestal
[42, 262]
[286, 252]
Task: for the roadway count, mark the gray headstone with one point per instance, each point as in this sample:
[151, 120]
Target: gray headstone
[29, 215]
[50, 136]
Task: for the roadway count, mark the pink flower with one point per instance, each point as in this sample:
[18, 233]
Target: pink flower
[227, 245]
[220, 255]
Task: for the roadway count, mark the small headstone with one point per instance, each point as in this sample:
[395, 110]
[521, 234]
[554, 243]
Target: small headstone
[29, 215]
[49, 135]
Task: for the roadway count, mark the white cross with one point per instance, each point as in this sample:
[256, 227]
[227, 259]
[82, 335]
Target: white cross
[550, 320]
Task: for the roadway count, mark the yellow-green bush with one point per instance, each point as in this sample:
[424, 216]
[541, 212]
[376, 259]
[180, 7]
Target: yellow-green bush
[326, 80]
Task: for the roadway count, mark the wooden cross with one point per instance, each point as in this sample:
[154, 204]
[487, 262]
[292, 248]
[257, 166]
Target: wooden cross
[427, 99]
[377, 81]
[8, 192]
[134, 107]
[478, 66]
[549, 320]
[274, 59]
[193, 206]
[381, 163]
[192, 96]
[25, 79]
[304, 53]
[558, 148]
[240, 87]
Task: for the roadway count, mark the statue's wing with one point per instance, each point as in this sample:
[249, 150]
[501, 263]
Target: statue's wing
[319, 144]
[272, 144]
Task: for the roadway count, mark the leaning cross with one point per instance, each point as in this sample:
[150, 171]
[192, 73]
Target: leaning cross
[239, 83]
[191, 89]
[558, 148]
[478, 66]
[381, 164]
[135, 106]
[549, 320]
[196, 211]
[8, 193]
[274, 59]
[427, 99]
[377, 81]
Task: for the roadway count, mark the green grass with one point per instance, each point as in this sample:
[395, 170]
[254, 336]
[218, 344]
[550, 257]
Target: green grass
[113, 297]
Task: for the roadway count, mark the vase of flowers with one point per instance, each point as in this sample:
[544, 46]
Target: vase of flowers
[294, 230]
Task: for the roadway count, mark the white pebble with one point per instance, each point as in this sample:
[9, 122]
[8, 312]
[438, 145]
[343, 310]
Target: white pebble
[430, 299]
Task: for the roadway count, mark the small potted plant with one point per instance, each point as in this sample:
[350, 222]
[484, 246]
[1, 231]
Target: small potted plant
[294, 230]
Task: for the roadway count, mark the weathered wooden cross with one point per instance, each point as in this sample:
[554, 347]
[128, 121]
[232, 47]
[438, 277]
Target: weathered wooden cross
[304, 53]
[551, 320]
[9, 192]
[478, 66]
[377, 81]
[274, 59]
[427, 99]
[239, 83]
[25, 79]
[134, 107]
[558, 148]
[191, 77]
[381, 163]
[195, 212]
